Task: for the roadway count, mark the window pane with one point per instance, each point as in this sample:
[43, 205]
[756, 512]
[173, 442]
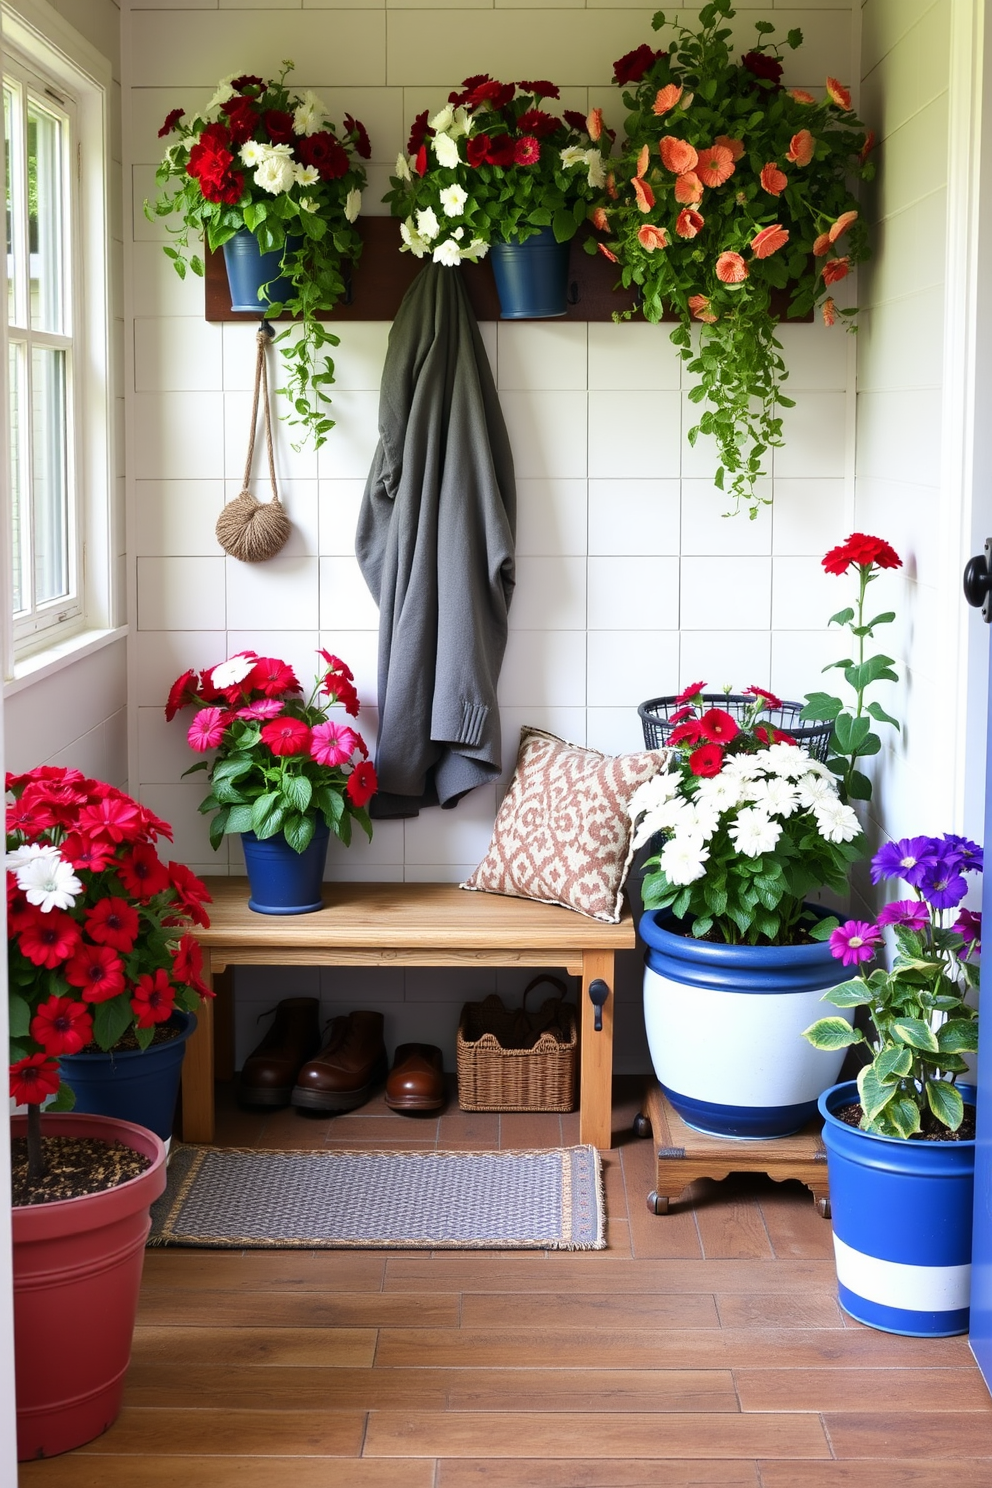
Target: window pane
[45, 217]
[51, 524]
[8, 115]
[18, 544]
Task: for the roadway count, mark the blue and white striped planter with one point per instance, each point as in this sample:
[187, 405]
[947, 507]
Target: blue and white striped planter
[902, 1217]
[724, 1026]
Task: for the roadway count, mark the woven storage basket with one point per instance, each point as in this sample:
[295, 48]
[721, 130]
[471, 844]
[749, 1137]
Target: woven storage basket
[494, 1077]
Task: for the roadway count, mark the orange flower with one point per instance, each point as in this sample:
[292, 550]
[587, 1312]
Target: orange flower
[800, 149]
[731, 268]
[688, 223]
[773, 180]
[644, 194]
[867, 147]
[651, 237]
[715, 165]
[801, 96]
[700, 307]
[611, 186]
[594, 124]
[677, 155]
[666, 98]
[688, 189]
[769, 240]
[841, 225]
[643, 160]
[836, 268]
[822, 245]
[735, 146]
[829, 311]
[838, 94]
[599, 219]
[606, 253]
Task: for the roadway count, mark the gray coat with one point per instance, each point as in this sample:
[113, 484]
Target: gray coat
[435, 546]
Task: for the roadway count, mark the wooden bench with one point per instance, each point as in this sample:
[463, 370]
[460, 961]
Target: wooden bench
[407, 924]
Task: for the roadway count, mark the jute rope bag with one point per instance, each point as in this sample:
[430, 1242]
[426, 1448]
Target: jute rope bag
[248, 529]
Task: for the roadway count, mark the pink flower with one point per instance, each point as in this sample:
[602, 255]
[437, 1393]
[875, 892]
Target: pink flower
[855, 942]
[263, 708]
[841, 225]
[735, 146]
[731, 268]
[526, 151]
[207, 729]
[332, 743]
[829, 310]
[644, 194]
[677, 155]
[688, 223]
[666, 98]
[715, 165]
[651, 237]
[688, 189]
[769, 240]
[699, 306]
[838, 94]
[773, 180]
[801, 147]
[801, 96]
[594, 123]
[835, 269]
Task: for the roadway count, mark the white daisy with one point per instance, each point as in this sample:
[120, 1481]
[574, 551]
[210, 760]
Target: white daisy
[427, 224]
[683, 859]
[446, 150]
[228, 673]
[27, 852]
[654, 792]
[251, 153]
[775, 796]
[309, 115]
[453, 199]
[754, 833]
[785, 759]
[307, 175]
[49, 882]
[721, 792]
[812, 789]
[276, 172]
[666, 817]
[837, 822]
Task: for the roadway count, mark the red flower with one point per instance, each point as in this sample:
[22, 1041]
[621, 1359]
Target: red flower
[20, 914]
[335, 664]
[114, 817]
[769, 240]
[272, 677]
[632, 66]
[342, 691]
[279, 126]
[98, 970]
[242, 120]
[526, 151]
[187, 964]
[62, 1026]
[715, 166]
[152, 825]
[838, 94]
[761, 65]
[606, 253]
[769, 697]
[171, 120]
[418, 133]
[363, 144]
[113, 922]
[699, 305]
[835, 269]
[49, 939]
[731, 268]
[87, 852]
[682, 714]
[801, 147]
[477, 150]
[421, 161]
[688, 693]
[182, 691]
[247, 80]
[650, 237]
[142, 872]
[773, 180]
[287, 736]
[688, 223]
[537, 122]
[191, 893]
[718, 726]
[575, 120]
[322, 151]
[677, 155]
[501, 151]
[644, 194]
[863, 550]
[689, 732]
[541, 89]
[362, 783]
[829, 311]
[34, 1079]
[706, 760]
[154, 999]
[496, 94]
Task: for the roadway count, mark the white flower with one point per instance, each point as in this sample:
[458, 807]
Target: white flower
[306, 175]
[251, 153]
[461, 124]
[453, 199]
[223, 92]
[458, 234]
[654, 792]
[837, 822]
[683, 859]
[597, 175]
[27, 853]
[701, 819]
[402, 167]
[446, 150]
[448, 253]
[775, 796]
[276, 172]
[572, 155]
[721, 792]
[308, 204]
[813, 789]
[352, 204]
[742, 768]
[754, 833]
[667, 816]
[309, 115]
[49, 882]
[412, 239]
[477, 249]
[443, 121]
[228, 673]
[784, 759]
[427, 224]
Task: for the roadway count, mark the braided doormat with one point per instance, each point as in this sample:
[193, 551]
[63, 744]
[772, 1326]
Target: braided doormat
[236, 1198]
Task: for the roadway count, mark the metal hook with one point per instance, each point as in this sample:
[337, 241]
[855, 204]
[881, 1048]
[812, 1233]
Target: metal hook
[266, 326]
[598, 994]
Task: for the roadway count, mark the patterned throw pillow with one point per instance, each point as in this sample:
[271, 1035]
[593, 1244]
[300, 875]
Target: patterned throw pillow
[562, 835]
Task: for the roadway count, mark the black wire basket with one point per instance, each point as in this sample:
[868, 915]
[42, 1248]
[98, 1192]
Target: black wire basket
[656, 713]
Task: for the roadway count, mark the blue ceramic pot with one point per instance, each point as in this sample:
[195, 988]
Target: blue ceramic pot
[248, 268]
[531, 277]
[724, 1026]
[137, 1085]
[902, 1217]
[284, 882]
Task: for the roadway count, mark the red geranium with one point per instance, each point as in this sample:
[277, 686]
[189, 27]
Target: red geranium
[242, 119]
[286, 735]
[113, 922]
[279, 126]
[187, 965]
[502, 151]
[688, 732]
[154, 999]
[34, 1079]
[362, 783]
[769, 697]
[477, 150]
[632, 66]
[322, 151]
[142, 872]
[115, 818]
[706, 760]
[62, 1026]
[363, 144]
[763, 65]
[91, 853]
[418, 133]
[171, 120]
[538, 123]
[718, 726]
[862, 550]
[182, 691]
[191, 893]
[541, 89]
[48, 939]
[97, 971]
[693, 690]
[271, 677]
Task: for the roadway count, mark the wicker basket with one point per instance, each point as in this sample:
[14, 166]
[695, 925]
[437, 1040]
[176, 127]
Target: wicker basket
[493, 1075]
[813, 737]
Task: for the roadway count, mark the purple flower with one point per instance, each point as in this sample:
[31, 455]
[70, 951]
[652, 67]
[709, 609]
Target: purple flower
[854, 942]
[908, 859]
[942, 885]
[967, 854]
[909, 912]
[969, 926]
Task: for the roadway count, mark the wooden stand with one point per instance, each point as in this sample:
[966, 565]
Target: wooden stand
[684, 1154]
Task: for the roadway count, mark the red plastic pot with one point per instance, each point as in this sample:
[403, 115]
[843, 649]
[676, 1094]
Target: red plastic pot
[77, 1271]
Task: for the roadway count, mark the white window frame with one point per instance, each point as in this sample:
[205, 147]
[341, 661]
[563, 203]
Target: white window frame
[35, 39]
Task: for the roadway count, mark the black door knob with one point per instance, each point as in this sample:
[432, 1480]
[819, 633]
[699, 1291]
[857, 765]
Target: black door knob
[978, 581]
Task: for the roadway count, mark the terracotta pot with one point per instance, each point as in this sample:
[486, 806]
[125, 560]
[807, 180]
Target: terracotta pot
[77, 1271]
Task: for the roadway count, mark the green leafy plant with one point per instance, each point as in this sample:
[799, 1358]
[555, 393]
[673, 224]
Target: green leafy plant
[494, 165]
[922, 1021]
[853, 738]
[730, 187]
[263, 159]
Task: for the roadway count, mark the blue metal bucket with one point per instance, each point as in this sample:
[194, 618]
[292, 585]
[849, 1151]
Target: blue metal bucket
[139, 1085]
[284, 882]
[531, 277]
[248, 268]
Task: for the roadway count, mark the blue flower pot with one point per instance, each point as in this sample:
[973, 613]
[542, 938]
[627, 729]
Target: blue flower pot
[137, 1085]
[281, 881]
[902, 1217]
[724, 1026]
[248, 268]
[531, 277]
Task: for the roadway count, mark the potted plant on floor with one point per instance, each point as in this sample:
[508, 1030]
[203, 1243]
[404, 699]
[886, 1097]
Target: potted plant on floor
[496, 170]
[264, 175]
[285, 774]
[99, 956]
[900, 1139]
[730, 187]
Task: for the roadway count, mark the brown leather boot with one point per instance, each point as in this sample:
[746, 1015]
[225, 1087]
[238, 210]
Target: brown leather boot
[416, 1080]
[270, 1070]
[349, 1066]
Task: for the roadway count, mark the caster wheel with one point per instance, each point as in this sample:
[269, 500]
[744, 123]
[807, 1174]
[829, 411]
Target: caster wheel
[657, 1204]
[642, 1126]
[823, 1208]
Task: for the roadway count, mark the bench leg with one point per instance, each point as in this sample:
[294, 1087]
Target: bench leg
[596, 1053]
[197, 1093]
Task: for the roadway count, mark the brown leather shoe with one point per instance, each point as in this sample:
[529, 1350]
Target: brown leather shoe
[416, 1080]
[348, 1068]
[270, 1070]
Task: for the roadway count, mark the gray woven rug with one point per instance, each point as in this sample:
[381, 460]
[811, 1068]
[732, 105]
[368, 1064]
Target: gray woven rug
[229, 1197]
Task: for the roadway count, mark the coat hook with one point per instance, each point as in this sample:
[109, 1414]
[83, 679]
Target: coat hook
[598, 994]
[573, 292]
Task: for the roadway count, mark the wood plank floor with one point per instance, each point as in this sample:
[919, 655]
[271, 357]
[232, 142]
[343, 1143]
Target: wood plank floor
[702, 1348]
